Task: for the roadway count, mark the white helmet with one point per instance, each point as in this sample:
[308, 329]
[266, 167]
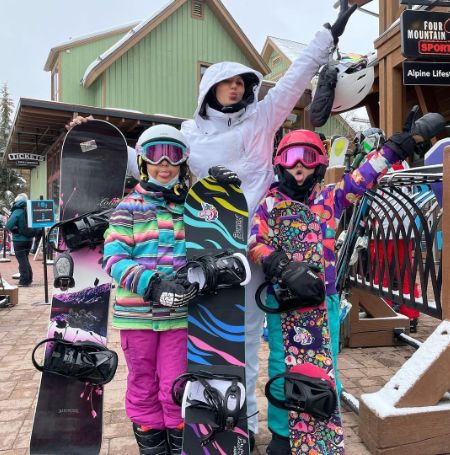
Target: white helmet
[156, 135]
[159, 133]
[355, 79]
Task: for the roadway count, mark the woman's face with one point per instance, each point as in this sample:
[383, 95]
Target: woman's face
[300, 172]
[163, 172]
[230, 91]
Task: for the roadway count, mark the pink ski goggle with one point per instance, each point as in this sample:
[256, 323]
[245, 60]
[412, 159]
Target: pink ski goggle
[155, 153]
[308, 156]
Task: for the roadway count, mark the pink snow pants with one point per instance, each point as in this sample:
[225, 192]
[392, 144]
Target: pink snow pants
[154, 360]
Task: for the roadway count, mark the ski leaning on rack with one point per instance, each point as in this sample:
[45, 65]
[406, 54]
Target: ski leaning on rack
[69, 411]
[315, 424]
[214, 403]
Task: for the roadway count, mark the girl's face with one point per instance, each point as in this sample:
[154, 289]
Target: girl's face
[299, 172]
[163, 172]
[230, 91]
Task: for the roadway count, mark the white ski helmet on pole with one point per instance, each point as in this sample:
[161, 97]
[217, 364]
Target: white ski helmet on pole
[355, 79]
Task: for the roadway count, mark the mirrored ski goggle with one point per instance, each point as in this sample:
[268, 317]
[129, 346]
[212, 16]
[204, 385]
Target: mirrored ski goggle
[308, 157]
[155, 153]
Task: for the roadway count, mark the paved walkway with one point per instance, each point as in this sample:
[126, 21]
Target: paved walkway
[362, 370]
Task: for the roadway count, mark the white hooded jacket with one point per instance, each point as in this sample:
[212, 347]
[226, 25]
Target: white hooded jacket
[243, 141]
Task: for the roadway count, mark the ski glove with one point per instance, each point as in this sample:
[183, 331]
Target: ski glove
[324, 97]
[171, 293]
[337, 29]
[302, 279]
[224, 175]
[274, 264]
[405, 144]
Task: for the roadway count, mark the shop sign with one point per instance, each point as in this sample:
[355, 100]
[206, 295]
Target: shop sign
[41, 213]
[425, 34]
[25, 159]
[426, 2]
[426, 73]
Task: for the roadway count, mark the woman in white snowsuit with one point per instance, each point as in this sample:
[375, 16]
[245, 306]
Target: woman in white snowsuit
[231, 138]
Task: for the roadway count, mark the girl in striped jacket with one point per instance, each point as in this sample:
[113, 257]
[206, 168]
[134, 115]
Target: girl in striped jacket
[144, 247]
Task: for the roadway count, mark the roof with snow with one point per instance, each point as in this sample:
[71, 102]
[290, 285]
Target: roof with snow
[290, 49]
[54, 51]
[103, 61]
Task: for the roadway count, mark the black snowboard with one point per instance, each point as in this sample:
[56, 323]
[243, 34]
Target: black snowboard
[69, 413]
[216, 219]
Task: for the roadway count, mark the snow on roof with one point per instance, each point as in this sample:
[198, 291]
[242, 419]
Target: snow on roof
[121, 42]
[291, 49]
[71, 40]
[83, 38]
[383, 402]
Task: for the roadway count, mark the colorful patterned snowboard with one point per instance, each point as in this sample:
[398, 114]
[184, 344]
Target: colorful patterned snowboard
[68, 418]
[294, 229]
[216, 219]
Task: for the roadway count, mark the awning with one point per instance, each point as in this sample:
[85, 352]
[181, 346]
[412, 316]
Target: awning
[39, 124]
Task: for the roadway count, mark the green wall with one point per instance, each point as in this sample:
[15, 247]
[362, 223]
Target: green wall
[278, 69]
[160, 73]
[38, 182]
[74, 62]
[334, 127]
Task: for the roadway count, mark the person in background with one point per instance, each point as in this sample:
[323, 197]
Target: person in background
[22, 243]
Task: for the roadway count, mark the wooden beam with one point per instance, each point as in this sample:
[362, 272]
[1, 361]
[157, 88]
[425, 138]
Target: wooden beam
[446, 236]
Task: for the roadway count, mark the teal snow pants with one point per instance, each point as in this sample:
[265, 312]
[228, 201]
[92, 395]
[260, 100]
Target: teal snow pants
[278, 418]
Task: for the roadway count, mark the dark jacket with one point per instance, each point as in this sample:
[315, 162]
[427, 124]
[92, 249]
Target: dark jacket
[17, 223]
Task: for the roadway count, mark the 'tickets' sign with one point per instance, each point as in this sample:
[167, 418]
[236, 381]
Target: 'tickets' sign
[425, 34]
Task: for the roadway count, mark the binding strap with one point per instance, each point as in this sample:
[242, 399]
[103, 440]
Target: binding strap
[226, 407]
[308, 388]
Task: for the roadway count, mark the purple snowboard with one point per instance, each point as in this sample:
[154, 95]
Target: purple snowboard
[68, 418]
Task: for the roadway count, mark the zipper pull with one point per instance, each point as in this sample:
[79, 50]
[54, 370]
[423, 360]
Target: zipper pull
[229, 122]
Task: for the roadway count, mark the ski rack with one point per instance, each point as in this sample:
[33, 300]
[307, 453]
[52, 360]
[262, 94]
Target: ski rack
[411, 413]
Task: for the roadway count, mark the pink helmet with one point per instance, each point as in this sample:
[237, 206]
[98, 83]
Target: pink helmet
[307, 147]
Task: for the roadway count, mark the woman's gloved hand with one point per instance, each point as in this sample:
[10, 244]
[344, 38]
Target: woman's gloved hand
[337, 29]
[224, 175]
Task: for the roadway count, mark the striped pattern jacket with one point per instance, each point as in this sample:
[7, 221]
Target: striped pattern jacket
[145, 236]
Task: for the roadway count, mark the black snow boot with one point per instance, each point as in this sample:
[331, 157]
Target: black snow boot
[279, 445]
[175, 438]
[151, 442]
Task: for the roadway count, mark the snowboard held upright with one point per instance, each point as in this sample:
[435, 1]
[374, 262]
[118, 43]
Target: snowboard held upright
[315, 424]
[214, 402]
[69, 411]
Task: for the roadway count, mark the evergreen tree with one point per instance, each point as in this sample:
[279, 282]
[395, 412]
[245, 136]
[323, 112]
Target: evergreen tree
[6, 110]
[10, 180]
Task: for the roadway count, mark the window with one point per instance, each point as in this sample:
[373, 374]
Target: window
[55, 83]
[203, 68]
[197, 9]
[276, 60]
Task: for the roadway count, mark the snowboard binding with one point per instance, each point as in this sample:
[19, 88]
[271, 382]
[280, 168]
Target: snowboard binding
[83, 360]
[308, 389]
[83, 231]
[213, 272]
[287, 299]
[223, 395]
[63, 272]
